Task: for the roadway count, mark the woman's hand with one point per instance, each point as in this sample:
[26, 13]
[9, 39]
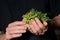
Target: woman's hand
[36, 27]
[15, 29]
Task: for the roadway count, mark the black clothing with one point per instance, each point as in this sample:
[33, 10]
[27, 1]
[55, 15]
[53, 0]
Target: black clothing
[12, 10]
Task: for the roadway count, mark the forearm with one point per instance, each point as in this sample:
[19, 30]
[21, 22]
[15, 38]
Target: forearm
[2, 37]
[57, 21]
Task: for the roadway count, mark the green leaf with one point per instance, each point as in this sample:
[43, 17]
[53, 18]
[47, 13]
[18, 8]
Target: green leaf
[33, 14]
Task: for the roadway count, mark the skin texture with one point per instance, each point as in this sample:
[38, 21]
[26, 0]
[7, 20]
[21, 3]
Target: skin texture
[15, 29]
[57, 21]
[2, 36]
[36, 27]
[31, 28]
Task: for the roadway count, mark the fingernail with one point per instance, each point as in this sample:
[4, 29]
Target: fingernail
[45, 23]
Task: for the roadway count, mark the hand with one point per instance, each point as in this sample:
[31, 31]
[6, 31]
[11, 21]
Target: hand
[15, 29]
[36, 27]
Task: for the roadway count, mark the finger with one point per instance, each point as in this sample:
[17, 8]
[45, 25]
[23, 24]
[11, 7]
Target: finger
[42, 26]
[42, 32]
[17, 31]
[17, 23]
[15, 35]
[16, 28]
[24, 20]
[31, 29]
[45, 30]
[45, 23]
[35, 25]
[10, 36]
[39, 23]
[39, 32]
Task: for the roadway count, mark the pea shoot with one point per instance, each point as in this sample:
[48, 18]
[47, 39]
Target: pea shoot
[33, 14]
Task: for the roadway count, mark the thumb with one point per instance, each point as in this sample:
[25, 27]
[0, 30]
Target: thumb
[45, 23]
[24, 20]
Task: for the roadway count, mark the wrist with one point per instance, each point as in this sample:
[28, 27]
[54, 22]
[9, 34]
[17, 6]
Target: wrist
[3, 37]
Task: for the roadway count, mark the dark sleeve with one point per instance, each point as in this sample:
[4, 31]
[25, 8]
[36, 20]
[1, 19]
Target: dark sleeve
[5, 16]
[54, 8]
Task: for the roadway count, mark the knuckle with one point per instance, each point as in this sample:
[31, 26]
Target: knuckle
[38, 29]
[20, 34]
[42, 26]
[9, 24]
[35, 32]
[7, 29]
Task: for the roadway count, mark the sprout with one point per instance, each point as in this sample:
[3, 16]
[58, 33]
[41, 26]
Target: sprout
[33, 14]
